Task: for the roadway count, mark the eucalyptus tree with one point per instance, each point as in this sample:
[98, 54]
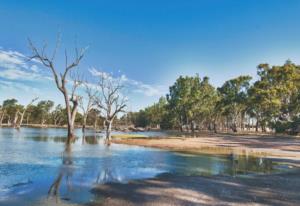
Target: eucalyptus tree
[192, 100]
[29, 114]
[58, 115]
[11, 109]
[61, 79]
[44, 108]
[25, 109]
[274, 98]
[233, 99]
[181, 98]
[94, 118]
[110, 101]
[205, 99]
[154, 114]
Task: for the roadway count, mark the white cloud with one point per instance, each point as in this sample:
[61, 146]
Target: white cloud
[11, 59]
[34, 68]
[17, 74]
[16, 86]
[15, 66]
[134, 85]
[97, 73]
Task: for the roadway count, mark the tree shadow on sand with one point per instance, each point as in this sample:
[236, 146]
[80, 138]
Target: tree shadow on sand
[194, 190]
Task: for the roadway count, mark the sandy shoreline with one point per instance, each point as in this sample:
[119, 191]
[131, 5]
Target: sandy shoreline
[267, 189]
[267, 146]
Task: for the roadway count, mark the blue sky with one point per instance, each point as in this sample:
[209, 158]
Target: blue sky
[151, 42]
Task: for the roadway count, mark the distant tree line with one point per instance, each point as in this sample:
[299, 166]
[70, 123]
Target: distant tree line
[43, 113]
[271, 103]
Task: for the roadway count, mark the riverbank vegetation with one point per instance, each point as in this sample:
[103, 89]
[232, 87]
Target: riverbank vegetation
[269, 103]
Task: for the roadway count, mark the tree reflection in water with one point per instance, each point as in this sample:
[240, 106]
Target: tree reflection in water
[107, 173]
[246, 164]
[66, 170]
[90, 139]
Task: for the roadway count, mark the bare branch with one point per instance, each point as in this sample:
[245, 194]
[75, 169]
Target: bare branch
[58, 40]
[61, 79]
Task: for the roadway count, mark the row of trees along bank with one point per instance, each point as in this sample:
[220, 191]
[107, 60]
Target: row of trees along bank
[271, 103]
[42, 113]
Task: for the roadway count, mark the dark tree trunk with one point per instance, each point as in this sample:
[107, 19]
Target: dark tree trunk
[108, 132]
[256, 126]
[215, 127]
[193, 128]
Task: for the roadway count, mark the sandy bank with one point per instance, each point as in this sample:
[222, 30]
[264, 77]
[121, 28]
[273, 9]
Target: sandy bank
[268, 146]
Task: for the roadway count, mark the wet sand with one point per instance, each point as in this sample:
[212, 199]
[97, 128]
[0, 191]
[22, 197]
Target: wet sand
[267, 189]
[267, 146]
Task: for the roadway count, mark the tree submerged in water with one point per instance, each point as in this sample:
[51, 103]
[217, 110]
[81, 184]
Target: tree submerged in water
[110, 100]
[71, 98]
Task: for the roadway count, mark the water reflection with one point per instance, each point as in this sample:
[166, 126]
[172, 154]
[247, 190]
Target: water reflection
[66, 171]
[64, 186]
[34, 164]
[90, 139]
[111, 168]
[245, 164]
[107, 173]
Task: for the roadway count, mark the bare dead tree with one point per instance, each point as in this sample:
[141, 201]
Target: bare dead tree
[110, 101]
[61, 79]
[24, 111]
[86, 108]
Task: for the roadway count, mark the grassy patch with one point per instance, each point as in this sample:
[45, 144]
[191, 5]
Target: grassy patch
[128, 136]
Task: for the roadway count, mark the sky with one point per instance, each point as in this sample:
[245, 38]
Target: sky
[147, 43]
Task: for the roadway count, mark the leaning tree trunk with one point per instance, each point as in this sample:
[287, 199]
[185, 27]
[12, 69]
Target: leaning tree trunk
[15, 119]
[21, 120]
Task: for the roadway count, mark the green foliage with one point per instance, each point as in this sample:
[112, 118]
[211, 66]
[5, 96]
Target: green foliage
[233, 99]
[191, 99]
[274, 98]
[11, 109]
[272, 101]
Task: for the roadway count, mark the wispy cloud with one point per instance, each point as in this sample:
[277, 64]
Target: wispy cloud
[16, 86]
[25, 79]
[15, 66]
[134, 85]
[11, 59]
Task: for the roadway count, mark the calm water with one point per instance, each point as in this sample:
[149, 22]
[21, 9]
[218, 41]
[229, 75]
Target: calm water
[34, 165]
